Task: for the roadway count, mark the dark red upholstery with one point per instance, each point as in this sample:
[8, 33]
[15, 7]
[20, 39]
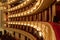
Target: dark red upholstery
[56, 28]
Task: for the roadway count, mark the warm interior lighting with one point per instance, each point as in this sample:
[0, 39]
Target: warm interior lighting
[28, 12]
[31, 10]
[40, 34]
[13, 23]
[11, 1]
[10, 22]
[24, 2]
[16, 15]
[21, 4]
[35, 27]
[38, 28]
[31, 25]
[16, 22]
[4, 24]
[4, 19]
[21, 23]
[34, 8]
[11, 16]
[21, 14]
[58, 0]
[28, 24]
[24, 24]
[24, 13]
[37, 3]
[27, 0]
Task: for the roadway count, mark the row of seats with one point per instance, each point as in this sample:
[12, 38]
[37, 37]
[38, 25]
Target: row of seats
[36, 17]
[11, 35]
[6, 36]
[23, 9]
[20, 36]
[16, 3]
[28, 29]
[45, 15]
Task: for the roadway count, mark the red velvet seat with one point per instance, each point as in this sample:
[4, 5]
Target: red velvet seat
[56, 28]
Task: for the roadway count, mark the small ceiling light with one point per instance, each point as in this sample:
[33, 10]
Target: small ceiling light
[27, 0]
[35, 26]
[21, 14]
[18, 22]
[21, 4]
[28, 12]
[31, 10]
[34, 8]
[38, 28]
[24, 24]
[16, 15]
[37, 3]
[31, 25]
[40, 34]
[28, 24]
[24, 2]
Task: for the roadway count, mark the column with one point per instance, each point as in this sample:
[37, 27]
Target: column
[39, 16]
[27, 28]
[45, 15]
[22, 37]
[42, 16]
[0, 17]
[53, 11]
[9, 6]
[16, 35]
[50, 14]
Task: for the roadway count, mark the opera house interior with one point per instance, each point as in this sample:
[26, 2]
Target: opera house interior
[29, 19]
